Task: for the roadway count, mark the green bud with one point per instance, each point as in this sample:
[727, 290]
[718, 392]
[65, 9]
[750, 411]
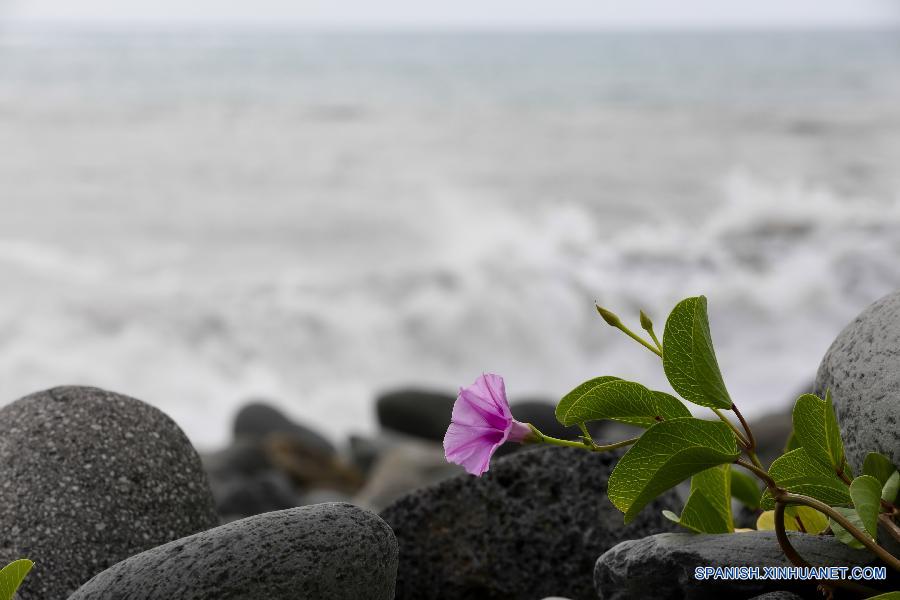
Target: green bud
[609, 317]
[646, 323]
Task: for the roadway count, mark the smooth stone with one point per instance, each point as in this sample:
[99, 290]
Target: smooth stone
[334, 551]
[403, 468]
[542, 414]
[258, 419]
[662, 566]
[241, 458]
[90, 477]
[419, 413]
[531, 527]
[862, 370]
[261, 493]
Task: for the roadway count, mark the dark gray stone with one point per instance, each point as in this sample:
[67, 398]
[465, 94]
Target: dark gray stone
[542, 414]
[778, 596]
[90, 477]
[662, 566]
[531, 527]
[333, 551]
[419, 413]
[862, 370]
[254, 495]
[258, 419]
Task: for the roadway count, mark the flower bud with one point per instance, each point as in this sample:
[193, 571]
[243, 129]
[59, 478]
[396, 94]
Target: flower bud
[610, 317]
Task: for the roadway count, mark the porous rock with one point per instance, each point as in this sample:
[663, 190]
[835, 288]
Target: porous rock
[88, 478]
[663, 566]
[862, 371]
[531, 527]
[335, 551]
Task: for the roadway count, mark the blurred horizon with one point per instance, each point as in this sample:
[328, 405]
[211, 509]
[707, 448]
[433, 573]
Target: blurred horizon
[464, 15]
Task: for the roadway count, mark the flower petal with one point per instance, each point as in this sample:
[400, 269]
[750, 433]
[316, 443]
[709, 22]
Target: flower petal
[483, 404]
[472, 447]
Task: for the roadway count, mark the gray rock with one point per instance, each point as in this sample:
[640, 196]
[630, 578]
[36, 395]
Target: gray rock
[90, 477]
[419, 413]
[662, 566]
[258, 419]
[862, 370]
[334, 551]
[531, 527]
[542, 414]
[254, 495]
[780, 595]
[405, 467]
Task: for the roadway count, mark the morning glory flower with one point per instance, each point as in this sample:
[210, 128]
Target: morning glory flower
[481, 423]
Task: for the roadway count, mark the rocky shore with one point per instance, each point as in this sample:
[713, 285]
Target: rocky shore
[109, 498]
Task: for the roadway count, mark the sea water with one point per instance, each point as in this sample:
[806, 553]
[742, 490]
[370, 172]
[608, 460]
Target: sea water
[197, 217]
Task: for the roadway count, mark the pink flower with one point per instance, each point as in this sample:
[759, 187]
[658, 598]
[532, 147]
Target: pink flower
[481, 422]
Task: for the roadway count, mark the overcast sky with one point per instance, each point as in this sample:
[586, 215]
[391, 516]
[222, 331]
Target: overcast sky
[469, 13]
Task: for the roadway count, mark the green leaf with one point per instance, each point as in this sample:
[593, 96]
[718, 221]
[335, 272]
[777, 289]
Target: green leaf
[689, 359]
[797, 472]
[816, 429]
[885, 596]
[792, 443]
[708, 508]
[623, 401]
[11, 577]
[891, 487]
[666, 454]
[564, 405]
[745, 489]
[878, 466]
[842, 534]
[812, 520]
[865, 491]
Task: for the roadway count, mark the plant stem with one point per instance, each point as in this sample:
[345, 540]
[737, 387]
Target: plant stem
[755, 459]
[584, 445]
[889, 524]
[843, 477]
[655, 339]
[639, 339]
[587, 434]
[752, 441]
[886, 557]
[761, 473]
[798, 561]
[783, 540]
[741, 439]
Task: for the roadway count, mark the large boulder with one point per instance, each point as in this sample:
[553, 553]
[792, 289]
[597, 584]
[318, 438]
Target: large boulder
[862, 370]
[531, 527]
[333, 551]
[663, 566]
[89, 478]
